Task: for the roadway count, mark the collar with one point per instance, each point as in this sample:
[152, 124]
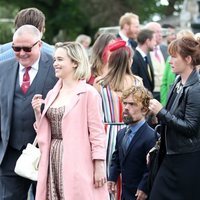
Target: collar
[123, 37]
[135, 127]
[34, 66]
[141, 52]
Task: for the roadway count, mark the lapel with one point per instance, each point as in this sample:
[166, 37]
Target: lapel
[81, 88]
[137, 135]
[191, 80]
[10, 80]
[44, 66]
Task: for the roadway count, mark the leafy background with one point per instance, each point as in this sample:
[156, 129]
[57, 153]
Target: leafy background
[68, 18]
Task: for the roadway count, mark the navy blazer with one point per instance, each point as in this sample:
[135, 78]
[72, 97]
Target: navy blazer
[45, 80]
[132, 166]
[139, 68]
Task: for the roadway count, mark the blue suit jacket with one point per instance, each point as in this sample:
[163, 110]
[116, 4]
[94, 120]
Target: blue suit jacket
[132, 165]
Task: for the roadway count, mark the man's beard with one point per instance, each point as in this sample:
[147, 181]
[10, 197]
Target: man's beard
[127, 119]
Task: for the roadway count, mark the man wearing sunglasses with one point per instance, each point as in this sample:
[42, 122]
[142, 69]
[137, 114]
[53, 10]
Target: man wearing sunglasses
[30, 72]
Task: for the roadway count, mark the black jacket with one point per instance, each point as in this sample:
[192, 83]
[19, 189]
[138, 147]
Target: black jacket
[182, 120]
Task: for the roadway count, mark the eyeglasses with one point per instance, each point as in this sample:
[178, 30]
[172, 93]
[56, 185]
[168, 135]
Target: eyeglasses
[25, 49]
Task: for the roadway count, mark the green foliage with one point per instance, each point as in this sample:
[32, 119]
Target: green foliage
[68, 18]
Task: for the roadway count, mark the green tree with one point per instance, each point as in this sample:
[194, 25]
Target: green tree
[73, 17]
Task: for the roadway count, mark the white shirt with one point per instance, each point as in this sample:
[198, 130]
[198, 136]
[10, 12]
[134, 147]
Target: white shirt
[32, 72]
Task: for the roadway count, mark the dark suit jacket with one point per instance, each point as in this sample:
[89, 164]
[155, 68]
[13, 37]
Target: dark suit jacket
[139, 67]
[45, 80]
[132, 165]
[132, 42]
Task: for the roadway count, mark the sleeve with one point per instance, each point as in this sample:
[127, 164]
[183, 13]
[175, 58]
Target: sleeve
[114, 168]
[97, 134]
[188, 125]
[150, 143]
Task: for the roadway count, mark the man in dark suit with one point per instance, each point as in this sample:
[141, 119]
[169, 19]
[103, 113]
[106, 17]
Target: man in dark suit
[141, 66]
[30, 72]
[132, 145]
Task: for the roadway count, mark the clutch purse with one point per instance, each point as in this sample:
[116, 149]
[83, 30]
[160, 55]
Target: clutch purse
[27, 164]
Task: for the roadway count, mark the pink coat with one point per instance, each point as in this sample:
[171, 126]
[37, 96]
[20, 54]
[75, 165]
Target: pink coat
[80, 146]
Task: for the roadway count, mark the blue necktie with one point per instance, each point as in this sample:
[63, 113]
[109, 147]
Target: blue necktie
[126, 139]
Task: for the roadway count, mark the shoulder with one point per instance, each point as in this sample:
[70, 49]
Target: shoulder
[97, 83]
[47, 48]
[6, 63]
[147, 130]
[45, 57]
[5, 47]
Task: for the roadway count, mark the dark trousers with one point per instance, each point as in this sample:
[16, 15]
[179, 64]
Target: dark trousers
[12, 186]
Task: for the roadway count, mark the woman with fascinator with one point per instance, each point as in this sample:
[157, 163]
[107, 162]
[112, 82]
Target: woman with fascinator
[110, 86]
[179, 175]
[99, 56]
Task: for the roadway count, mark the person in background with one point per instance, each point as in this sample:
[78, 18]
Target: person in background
[74, 140]
[170, 33]
[179, 176]
[169, 76]
[30, 72]
[31, 16]
[129, 29]
[157, 57]
[141, 66]
[110, 86]
[99, 56]
[132, 145]
[85, 40]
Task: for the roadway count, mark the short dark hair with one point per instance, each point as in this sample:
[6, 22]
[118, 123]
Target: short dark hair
[143, 35]
[32, 16]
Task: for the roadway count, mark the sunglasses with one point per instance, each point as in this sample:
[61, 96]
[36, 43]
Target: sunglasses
[25, 49]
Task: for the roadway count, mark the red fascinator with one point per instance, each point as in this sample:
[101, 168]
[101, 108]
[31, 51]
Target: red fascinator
[119, 44]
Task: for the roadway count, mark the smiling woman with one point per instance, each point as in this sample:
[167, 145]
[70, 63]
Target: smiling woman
[70, 131]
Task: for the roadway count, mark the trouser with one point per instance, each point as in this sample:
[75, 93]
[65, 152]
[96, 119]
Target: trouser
[12, 186]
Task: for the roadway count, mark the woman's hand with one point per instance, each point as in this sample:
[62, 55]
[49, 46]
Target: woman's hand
[37, 101]
[99, 173]
[155, 106]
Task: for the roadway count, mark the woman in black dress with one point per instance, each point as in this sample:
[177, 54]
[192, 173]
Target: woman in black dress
[179, 175]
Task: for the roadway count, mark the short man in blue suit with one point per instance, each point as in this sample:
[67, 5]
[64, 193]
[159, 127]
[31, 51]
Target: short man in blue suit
[132, 145]
[29, 73]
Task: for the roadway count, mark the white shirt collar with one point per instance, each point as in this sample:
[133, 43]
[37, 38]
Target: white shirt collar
[141, 52]
[124, 37]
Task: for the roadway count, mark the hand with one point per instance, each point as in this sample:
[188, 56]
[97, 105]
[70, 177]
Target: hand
[155, 106]
[37, 101]
[99, 173]
[140, 195]
[112, 187]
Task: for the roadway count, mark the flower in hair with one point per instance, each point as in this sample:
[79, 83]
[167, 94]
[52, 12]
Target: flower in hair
[117, 45]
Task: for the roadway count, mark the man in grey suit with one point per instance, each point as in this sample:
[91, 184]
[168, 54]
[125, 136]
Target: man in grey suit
[17, 116]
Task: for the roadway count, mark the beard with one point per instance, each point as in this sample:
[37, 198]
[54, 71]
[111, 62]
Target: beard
[127, 118]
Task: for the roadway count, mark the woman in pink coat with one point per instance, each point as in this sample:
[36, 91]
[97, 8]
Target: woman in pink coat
[70, 132]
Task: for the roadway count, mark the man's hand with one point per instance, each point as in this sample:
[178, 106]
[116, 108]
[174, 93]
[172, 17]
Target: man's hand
[112, 187]
[140, 195]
